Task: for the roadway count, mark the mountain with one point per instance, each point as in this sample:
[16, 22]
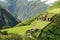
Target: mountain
[6, 18]
[25, 9]
[31, 9]
[12, 6]
[51, 31]
[55, 5]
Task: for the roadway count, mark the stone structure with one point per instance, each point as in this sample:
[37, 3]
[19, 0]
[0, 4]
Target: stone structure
[45, 18]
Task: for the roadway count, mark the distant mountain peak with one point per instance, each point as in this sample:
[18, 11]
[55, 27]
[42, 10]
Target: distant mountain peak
[26, 10]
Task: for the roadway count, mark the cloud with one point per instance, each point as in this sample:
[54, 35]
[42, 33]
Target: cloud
[50, 1]
[43, 0]
[5, 3]
[31, 0]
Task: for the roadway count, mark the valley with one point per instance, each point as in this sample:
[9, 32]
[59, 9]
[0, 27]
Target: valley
[38, 22]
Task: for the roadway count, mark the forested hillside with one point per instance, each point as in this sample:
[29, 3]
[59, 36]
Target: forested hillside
[51, 31]
[45, 26]
[55, 5]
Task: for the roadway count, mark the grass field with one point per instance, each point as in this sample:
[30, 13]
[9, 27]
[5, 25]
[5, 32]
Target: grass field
[22, 29]
[57, 10]
[39, 24]
[36, 24]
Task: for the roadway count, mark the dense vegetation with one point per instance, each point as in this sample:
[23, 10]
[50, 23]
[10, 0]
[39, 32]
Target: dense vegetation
[4, 35]
[44, 29]
[51, 31]
[55, 5]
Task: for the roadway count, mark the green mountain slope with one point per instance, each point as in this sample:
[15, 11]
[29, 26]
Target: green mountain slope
[40, 24]
[6, 18]
[55, 11]
[36, 24]
[56, 5]
[51, 32]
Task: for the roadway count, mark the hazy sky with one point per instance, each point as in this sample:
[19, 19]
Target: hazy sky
[49, 1]
[3, 0]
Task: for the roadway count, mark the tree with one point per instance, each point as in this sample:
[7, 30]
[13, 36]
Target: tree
[52, 31]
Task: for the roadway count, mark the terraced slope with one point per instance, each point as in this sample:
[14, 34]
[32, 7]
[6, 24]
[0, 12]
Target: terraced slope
[52, 31]
[39, 24]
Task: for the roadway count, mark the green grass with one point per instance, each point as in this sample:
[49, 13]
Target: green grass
[57, 11]
[35, 24]
[22, 29]
[18, 30]
[39, 24]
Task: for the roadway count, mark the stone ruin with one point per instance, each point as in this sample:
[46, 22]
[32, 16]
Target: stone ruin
[29, 32]
[45, 18]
